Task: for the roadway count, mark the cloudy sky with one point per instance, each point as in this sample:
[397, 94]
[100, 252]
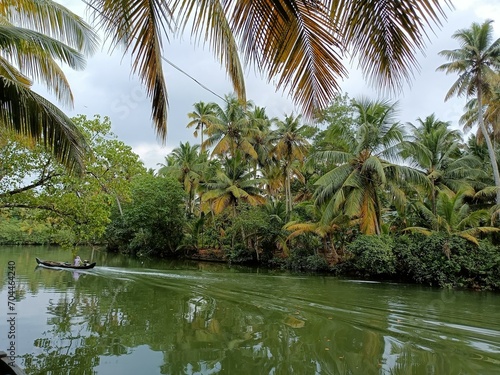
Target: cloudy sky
[106, 87]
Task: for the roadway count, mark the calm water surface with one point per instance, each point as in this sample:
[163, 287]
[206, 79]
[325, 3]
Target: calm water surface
[163, 317]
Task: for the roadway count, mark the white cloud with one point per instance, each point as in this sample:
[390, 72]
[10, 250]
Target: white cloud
[152, 154]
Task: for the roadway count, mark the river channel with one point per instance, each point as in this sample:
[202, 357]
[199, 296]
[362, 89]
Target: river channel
[128, 316]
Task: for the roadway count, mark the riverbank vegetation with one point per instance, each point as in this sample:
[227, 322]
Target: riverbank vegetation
[359, 194]
[353, 191]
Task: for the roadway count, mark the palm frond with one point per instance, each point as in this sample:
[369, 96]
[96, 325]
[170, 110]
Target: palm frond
[219, 204]
[140, 26]
[335, 157]
[11, 73]
[420, 230]
[386, 35]
[32, 115]
[35, 53]
[487, 192]
[332, 181]
[13, 40]
[296, 43]
[474, 219]
[374, 165]
[52, 19]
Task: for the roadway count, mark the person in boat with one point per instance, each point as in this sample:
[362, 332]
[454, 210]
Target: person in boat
[78, 261]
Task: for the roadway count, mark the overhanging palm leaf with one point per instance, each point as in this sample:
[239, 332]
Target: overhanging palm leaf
[296, 42]
[12, 74]
[209, 22]
[31, 54]
[299, 44]
[34, 54]
[30, 114]
[385, 35]
[140, 26]
[52, 19]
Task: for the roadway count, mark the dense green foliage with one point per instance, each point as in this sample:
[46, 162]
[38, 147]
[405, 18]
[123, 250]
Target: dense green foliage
[373, 256]
[64, 208]
[152, 222]
[340, 197]
[448, 261]
[438, 260]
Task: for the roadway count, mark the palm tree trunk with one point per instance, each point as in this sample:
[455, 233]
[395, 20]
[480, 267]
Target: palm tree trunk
[288, 191]
[378, 231]
[489, 144]
[433, 199]
[191, 202]
[378, 215]
[333, 250]
[201, 134]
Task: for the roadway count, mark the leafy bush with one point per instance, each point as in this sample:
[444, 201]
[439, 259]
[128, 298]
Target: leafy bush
[240, 254]
[299, 262]
[316, 263]
[372, 256]
[448, 261]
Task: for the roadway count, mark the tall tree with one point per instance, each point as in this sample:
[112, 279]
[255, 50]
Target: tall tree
[475, 62]
[79, 205]
[362, 169]
[491, 104]
[233, 184]
[232, 132]
[34, 35]
[186, 165]
[203, 116]
[435, 149]
[260, 137]
[299, 44]
[291, 139]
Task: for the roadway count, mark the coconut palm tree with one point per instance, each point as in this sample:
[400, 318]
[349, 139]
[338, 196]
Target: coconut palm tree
[34, 35]
[233, 184]
[291, 139]
[491, 113]
[231, 133]
[203, 116]
[362, 171]
[186, 164]
[455, 217]
[260, 137]
[435, 149]
[301, 45]
[272, 174]
[477, 59]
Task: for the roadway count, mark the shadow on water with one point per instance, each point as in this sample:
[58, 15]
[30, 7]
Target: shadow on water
[127, 316]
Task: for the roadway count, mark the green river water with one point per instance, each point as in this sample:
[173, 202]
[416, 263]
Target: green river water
[163, 317]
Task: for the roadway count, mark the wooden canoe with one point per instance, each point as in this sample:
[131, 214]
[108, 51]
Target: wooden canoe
[53, 264]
